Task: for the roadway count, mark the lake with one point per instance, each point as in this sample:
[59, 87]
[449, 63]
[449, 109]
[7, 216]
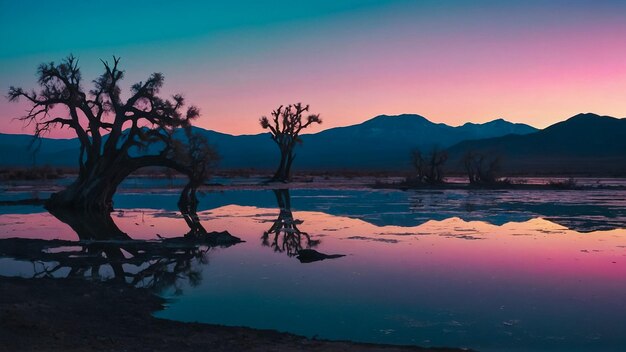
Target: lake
[487, 270]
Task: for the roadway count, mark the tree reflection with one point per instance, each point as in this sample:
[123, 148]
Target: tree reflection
[104, 252]
[284, 236]
[154, 265]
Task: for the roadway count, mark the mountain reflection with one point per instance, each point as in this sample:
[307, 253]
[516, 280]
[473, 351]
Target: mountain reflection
[581, 211]
[584, 211]
[284, 236]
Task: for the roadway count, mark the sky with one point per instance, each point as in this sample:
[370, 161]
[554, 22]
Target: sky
[534, 62]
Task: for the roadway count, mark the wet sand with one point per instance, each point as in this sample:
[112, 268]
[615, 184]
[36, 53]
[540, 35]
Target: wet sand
[77, 315]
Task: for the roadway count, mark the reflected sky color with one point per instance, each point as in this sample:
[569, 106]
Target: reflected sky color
[532, 285]
[453, 61]
[535, 247]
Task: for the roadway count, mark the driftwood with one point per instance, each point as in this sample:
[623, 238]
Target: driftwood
[311, 255]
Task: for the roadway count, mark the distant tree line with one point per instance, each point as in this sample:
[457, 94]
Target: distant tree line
[429, 168]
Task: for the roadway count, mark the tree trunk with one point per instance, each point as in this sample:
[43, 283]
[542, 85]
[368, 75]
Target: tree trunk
[282, 174]
[90, 225]
[188, 206]
[290, 158]
[93, 190]
[93, 194]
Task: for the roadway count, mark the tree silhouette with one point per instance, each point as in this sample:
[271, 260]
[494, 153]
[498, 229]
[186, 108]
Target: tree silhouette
[481, 169]
[117, 136]
[200, 158]
[285, 126]
[429, 167]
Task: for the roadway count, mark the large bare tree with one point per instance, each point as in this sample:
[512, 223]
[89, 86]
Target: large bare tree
[117, 136]
[285, 125]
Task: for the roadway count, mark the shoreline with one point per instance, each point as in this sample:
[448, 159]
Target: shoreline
[76, 315]
[343, 184]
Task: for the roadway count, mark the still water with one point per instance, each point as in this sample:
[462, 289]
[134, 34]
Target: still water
[488, 270]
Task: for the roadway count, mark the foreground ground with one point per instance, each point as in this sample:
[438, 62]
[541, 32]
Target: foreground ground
[75, 315]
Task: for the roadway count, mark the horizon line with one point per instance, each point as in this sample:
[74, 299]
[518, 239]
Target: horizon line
[369, 119]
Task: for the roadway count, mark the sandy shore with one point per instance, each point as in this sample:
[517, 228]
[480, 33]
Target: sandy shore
[76, 315]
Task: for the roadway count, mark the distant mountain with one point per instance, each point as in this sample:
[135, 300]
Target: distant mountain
[499, 127]
[256, 151]
[583, 144]
[385, 142]
[24, 150]
[381, 143]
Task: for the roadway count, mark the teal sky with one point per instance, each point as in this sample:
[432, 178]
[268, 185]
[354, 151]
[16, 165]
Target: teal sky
[536, 62]
[62, 26]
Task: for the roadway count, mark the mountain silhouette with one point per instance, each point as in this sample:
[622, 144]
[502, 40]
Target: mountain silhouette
[583, 144]
[24, 150]
[381, 143]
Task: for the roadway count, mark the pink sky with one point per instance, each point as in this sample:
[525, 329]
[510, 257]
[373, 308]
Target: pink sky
[451, 66]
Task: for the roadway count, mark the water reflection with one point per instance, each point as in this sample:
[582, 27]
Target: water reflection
[104, 252]
[284, 236]
[532, 285]
[582, 211]
[90, 226]
[491, 271]
[154, 265]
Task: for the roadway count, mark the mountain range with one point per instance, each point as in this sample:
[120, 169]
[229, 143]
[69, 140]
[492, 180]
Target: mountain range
[384, 142]
[586, 144]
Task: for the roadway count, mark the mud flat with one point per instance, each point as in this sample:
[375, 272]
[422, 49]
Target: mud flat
[77, 315]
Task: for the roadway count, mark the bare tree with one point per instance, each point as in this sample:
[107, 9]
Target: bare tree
[481, 169]
[285, 125]
[429, 168]
[114, 133]
[200, 159]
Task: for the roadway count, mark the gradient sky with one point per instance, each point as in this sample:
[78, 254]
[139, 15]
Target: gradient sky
[536, 62]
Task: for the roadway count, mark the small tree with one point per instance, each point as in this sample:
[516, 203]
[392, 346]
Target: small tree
[481, 169]
[114, 133]
[429, 167]
[285, 125]
[200, 159]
